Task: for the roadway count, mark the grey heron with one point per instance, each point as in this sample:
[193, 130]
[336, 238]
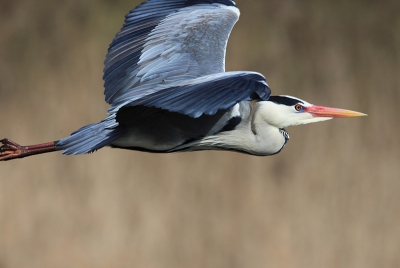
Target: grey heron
[168, 91]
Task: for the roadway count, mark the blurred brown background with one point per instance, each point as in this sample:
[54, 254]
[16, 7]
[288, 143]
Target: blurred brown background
[331, 198]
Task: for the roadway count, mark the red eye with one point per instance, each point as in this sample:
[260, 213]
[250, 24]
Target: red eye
[298, 107]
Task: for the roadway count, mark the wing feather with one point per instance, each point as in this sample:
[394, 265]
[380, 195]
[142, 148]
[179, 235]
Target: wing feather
[160, 35]
[207, 95]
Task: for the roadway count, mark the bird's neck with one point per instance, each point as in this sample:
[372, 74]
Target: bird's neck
[268, 139]
[253, 137]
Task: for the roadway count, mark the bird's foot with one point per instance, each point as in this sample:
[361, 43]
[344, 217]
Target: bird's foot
[11, 150]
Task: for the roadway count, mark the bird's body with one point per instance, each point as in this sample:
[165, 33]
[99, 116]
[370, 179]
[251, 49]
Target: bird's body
[165, 80]
[225, 130]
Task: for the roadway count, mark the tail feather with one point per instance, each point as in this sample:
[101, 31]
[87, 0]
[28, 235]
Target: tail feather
[90, 138]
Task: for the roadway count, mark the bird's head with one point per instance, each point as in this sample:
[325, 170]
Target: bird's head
[285, 111]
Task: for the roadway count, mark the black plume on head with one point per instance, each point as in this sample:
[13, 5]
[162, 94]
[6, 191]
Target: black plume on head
[288, 101]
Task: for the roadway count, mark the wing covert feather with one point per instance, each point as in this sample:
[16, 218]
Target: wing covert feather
[207, 95]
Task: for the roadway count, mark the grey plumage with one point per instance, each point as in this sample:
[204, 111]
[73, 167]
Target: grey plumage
[165, 80]
[169, 59]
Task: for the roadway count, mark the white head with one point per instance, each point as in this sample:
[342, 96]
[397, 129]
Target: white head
[284, 111]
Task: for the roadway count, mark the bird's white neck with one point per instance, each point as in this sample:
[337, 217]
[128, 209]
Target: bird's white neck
[253, 136]
[268, 139]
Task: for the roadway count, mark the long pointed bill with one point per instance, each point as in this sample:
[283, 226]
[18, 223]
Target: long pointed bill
[321, 111]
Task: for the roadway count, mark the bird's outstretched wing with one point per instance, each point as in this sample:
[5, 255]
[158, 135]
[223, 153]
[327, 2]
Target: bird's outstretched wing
[208, 94]
[167, 41]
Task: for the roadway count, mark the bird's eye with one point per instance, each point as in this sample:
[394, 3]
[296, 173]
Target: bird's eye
[298, 107]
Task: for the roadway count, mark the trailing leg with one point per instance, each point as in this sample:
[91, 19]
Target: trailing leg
[11, 150]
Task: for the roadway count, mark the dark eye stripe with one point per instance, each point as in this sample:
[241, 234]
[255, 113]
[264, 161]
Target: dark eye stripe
[284, 100]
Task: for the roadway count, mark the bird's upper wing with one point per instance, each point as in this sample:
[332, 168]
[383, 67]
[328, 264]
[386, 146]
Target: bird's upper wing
[204, 95]
[165, 41]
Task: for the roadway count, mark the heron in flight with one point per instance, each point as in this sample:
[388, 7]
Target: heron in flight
[168, 91]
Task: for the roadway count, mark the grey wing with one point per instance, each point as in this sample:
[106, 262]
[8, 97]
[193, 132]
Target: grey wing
[205, 95]
[165, 41]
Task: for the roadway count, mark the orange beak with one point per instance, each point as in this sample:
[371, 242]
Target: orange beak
[322, 111]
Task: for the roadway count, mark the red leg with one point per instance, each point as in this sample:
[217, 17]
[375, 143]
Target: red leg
[11, 150]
